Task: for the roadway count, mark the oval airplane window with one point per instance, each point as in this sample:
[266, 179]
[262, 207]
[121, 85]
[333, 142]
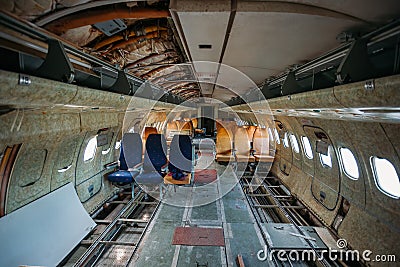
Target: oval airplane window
[117, 144]
[295, 144]
[270, 134]
[90, 149]
[285, 140]
[326, 161]
[386, 177]
[276, 136]
[349, 163]
[307, 147]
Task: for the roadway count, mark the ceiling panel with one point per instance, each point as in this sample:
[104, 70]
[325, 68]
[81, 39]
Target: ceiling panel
[268, 37]
[262, 44]
[202, 28]
[207, 29]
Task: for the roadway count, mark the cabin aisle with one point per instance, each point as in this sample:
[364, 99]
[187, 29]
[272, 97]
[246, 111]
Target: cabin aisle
[199, 208]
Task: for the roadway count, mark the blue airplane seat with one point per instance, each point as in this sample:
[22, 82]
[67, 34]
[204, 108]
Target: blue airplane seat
[155, 160]
[130, 159]
[180, 156]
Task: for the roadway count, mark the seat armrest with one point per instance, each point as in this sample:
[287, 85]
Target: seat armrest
[138, 167]
[111, 165]
[164, 168]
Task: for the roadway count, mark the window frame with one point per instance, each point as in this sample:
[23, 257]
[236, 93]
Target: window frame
[285, 140]
[330, 158]
[304, 147]
[291, 137]
[376, 178]
[270, 135]
[94, 150]
[344, 165]
[276, 134]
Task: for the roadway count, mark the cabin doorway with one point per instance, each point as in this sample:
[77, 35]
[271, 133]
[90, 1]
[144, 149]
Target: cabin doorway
[325, 186]
[207, 120]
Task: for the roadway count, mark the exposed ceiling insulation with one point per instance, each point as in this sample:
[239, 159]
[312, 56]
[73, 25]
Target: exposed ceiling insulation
[146, 47]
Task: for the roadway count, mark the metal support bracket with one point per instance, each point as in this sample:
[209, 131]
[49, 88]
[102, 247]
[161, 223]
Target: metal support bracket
[57, 65]
[355, 66]
[290, 85]
[121, 84]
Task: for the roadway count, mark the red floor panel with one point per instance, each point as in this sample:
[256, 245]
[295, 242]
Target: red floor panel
[198, 236]
[205, 176]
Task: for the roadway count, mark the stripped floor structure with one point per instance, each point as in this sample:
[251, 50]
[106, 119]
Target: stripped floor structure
[220, 205]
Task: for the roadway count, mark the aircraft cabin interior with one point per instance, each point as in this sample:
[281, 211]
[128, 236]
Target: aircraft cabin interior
[199, 133]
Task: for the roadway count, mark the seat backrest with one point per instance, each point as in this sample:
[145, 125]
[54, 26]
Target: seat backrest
[261, 141]
[131, 151]
[223, 142]
[146, 132]
[149, 130]
[242, 142]
[180, 153]
[155, 155]
[250, 132]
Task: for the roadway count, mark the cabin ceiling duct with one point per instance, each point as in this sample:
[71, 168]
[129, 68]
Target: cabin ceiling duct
[111, 27]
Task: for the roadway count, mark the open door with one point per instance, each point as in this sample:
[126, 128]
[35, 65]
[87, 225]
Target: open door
[325, 186]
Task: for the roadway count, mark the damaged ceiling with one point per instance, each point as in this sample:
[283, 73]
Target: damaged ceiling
[135, 35]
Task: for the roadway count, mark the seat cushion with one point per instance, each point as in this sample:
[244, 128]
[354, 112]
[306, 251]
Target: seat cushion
[122, 176]
[149, 178]
[169, 180]
[264, 158]
[244, 158]
[224, 157]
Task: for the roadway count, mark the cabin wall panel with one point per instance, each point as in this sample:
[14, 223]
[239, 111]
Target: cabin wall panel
[31, 174]
[24, 126]
[39, 93]
[369, 208]
[392, 133]
[341, 133]
[292, 126]
[91, 182]
[366, 232]
[307, 164]
[87, 169]
[67, 153]
[366, 139]
[285, 153]
[92, 98]
[110, 147]
[98, 120]
[299, 184]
